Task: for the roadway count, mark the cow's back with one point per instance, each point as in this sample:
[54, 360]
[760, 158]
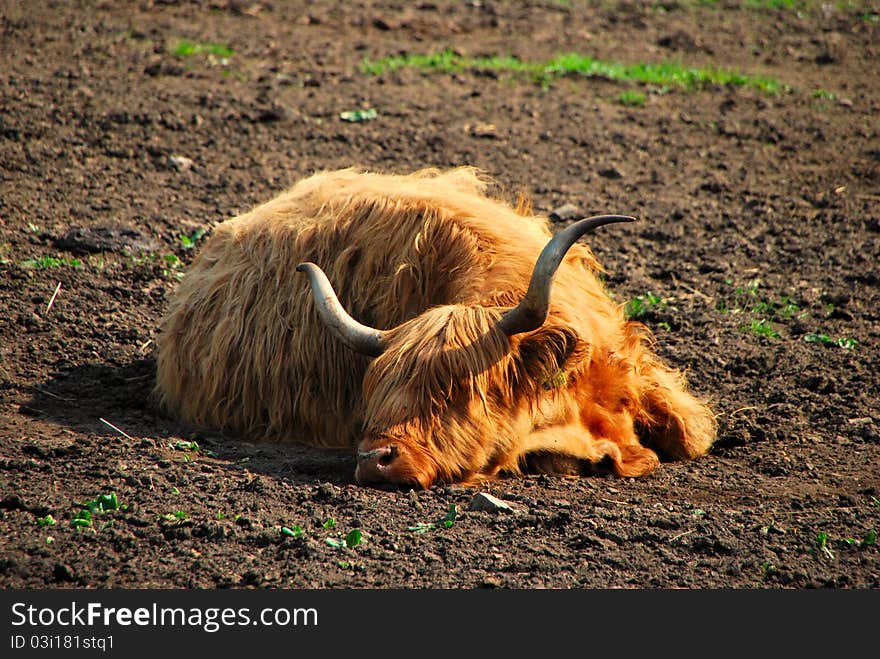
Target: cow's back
[242, 348]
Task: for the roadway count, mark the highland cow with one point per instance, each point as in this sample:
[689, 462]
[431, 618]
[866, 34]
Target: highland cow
[445, 357]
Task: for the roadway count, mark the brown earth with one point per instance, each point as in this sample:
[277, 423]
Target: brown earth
[755, 209]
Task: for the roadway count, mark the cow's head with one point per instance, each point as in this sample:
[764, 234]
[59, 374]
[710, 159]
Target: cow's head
[448, 390]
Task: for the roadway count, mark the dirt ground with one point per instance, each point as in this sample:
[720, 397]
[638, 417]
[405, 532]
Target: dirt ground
[755, 258]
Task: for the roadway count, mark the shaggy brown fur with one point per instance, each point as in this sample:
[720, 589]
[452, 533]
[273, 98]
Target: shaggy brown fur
[431, 258]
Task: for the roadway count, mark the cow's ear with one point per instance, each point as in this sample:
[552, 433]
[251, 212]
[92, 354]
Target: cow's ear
[549, 354]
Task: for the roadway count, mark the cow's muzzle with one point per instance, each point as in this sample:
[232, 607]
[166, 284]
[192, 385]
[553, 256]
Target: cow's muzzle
[396, 463]
[375, 466]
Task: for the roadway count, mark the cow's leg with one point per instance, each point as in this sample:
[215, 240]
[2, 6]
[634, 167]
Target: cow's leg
[628, 457]
[674, 421]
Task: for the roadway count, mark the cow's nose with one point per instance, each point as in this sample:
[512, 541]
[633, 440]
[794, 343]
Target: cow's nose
[372, 466]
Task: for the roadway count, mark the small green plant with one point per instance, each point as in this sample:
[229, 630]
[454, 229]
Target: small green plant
[329, 523]
[82, 519]
[292, 531]
[48, 520]
[176, 516]
[641, 304]
[357, 116]
[45, 262]
[445, 522]
[173, 267]
[182, 445]
[189, 242]
[632, 98]
[824, 94]
[844, 342]
[185, 48]
[103, 503]
[352, 539]
[822, 545]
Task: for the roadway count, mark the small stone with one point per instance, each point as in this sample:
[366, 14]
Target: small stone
[483, 501]
[565, 213]
[181, 163]
[98, 239]
[483, 130]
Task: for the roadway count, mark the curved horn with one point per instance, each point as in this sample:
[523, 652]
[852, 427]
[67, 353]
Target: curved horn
[532, 310]
[358, 337]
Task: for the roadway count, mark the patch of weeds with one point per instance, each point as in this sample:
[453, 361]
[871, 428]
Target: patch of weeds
[642, 304]
[748, 299]
[763, 327]
[171, 265]
[771, 4]
[189, 242]
[352, 539]
[661, 74]
[844, 342]
[358, 116]
[632, 98]
[447, 521]
[185, 48]
[46, 262]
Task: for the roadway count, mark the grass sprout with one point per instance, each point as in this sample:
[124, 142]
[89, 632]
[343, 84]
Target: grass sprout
[822, 545]
[632, 98]
[46, 262]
